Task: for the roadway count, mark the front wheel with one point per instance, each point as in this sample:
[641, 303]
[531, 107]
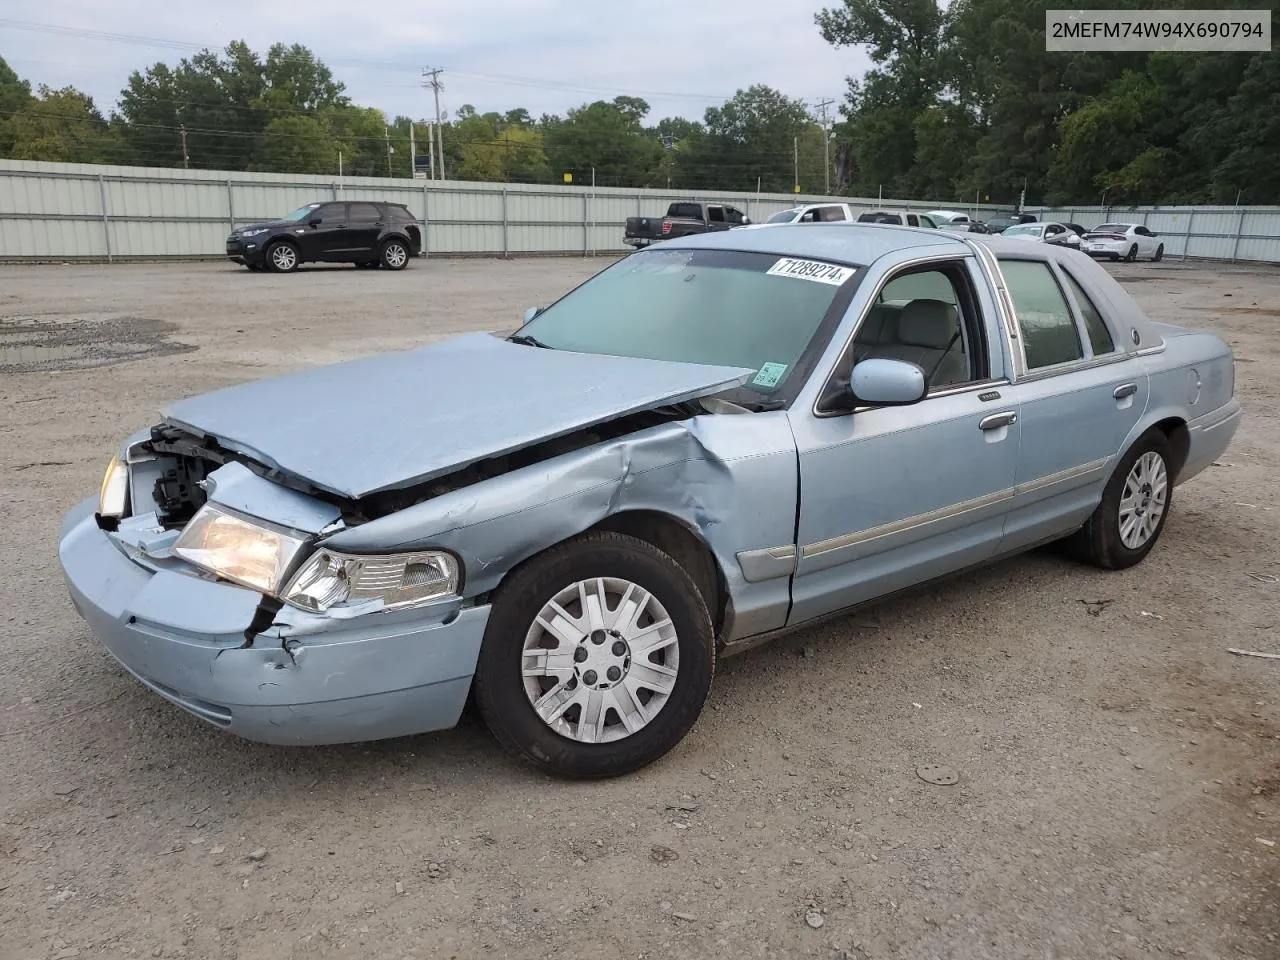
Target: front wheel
[394, 255]
[1135, 504]
[597, 657]
[282, 257]
[1159, 253]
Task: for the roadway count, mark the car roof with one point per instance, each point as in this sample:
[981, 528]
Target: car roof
[842, 241]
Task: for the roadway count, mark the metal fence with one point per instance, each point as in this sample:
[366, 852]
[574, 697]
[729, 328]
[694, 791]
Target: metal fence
[1210, 233]
[64, 211]
[78, 211]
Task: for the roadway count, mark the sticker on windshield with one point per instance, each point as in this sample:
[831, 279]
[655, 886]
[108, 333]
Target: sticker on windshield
[769, 375]
[813, 270]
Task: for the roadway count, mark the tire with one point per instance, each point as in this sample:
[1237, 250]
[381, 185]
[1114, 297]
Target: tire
[394, 254]
[1159, 254]
[587, 660]
[1101, 542]
[1132, 255]
[282, 257]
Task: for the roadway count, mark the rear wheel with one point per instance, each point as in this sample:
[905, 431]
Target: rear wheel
[1135, 504]
[394, 255]
[597, 657]
[1159, 253]
[1132, 255]
[282, 257]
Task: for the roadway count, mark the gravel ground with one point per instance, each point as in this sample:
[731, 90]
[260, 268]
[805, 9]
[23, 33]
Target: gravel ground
[1118, 794]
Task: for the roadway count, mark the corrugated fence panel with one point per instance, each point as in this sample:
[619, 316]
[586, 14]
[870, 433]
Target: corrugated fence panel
[56, 210]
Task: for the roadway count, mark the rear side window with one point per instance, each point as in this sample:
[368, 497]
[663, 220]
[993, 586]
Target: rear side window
[1094, 325]
[830, 214]
[715, 214]
[685, 210]
[365, 212]
[1049, 333]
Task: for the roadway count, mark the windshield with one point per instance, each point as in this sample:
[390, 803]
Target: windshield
[1110, 228]
[723, 307]
[301, 213]
[1025, 230]
[785, 216]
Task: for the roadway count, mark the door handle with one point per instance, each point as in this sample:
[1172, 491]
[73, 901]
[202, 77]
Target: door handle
[1124, 390]
[997, 420]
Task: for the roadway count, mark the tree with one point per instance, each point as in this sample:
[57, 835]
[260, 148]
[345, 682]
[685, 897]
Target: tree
[752, 138]
[299, 144]
[15, 93]
[606, 138]
[61, 125]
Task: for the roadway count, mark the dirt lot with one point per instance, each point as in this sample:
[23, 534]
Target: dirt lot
[1119, 788]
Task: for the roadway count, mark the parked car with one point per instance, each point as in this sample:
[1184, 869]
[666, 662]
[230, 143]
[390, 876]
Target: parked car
[898, 219]
[1047, 232]
[709, 443]
[812, 213]
[1001, 222]
[684, 218]
[956, 221]
[366, 233]
[1123, 241]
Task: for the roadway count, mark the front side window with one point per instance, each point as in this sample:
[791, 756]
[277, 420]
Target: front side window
[1099, 336]
[733, 215]
[921, 317]
[722, 307]
[1048, 331]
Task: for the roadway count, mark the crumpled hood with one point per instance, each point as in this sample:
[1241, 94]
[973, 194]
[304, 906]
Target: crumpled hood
[390, 421]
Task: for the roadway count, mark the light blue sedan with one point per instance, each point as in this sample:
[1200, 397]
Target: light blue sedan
[711, 442]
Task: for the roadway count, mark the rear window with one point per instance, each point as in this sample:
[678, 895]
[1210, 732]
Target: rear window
[1111, 228]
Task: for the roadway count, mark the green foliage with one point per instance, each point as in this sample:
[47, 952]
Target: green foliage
[962, 98]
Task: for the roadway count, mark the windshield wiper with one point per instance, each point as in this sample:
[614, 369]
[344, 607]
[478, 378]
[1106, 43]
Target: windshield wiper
[525, 340]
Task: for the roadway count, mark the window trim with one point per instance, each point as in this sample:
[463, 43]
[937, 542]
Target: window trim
[916, 265]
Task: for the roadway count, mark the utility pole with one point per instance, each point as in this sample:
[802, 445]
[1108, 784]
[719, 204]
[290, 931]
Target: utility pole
[186, 160]
[413, 153]
[826, 143]
[431, 78]
[387, 131]
[431, 147]
[795, 146]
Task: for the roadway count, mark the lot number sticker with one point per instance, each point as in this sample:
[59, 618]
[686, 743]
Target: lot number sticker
[769, 375]
[813, 270]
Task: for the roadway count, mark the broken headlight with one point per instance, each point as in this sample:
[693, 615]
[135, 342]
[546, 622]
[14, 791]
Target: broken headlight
[247, 552]
[402, 580]
[113, 496]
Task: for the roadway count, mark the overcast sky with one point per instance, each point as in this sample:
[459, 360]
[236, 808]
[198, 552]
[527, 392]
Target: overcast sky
[546, 55]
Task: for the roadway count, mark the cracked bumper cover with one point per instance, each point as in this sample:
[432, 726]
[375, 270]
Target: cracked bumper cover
[366, 678]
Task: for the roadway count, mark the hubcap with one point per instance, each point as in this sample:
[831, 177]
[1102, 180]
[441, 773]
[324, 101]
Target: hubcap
[396, 255]
[1146, 491]
[600, 660]
[284, 257]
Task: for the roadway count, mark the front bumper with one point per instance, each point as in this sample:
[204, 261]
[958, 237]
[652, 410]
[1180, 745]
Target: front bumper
[244, 251]
[305, 680]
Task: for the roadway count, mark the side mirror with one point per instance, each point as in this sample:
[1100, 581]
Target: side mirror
[746, 220]
[531, 313]
[887, 383]
[1073, 239]
[314, 222]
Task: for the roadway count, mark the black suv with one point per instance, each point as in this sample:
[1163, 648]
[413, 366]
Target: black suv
[340, 231]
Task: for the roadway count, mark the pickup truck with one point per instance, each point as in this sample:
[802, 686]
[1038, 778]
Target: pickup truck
[684, 217]
[814, 213]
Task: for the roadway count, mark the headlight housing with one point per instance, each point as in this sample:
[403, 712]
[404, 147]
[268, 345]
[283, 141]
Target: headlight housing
[237, 549]
[113, 495]
[400, 580]
[253, 233]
